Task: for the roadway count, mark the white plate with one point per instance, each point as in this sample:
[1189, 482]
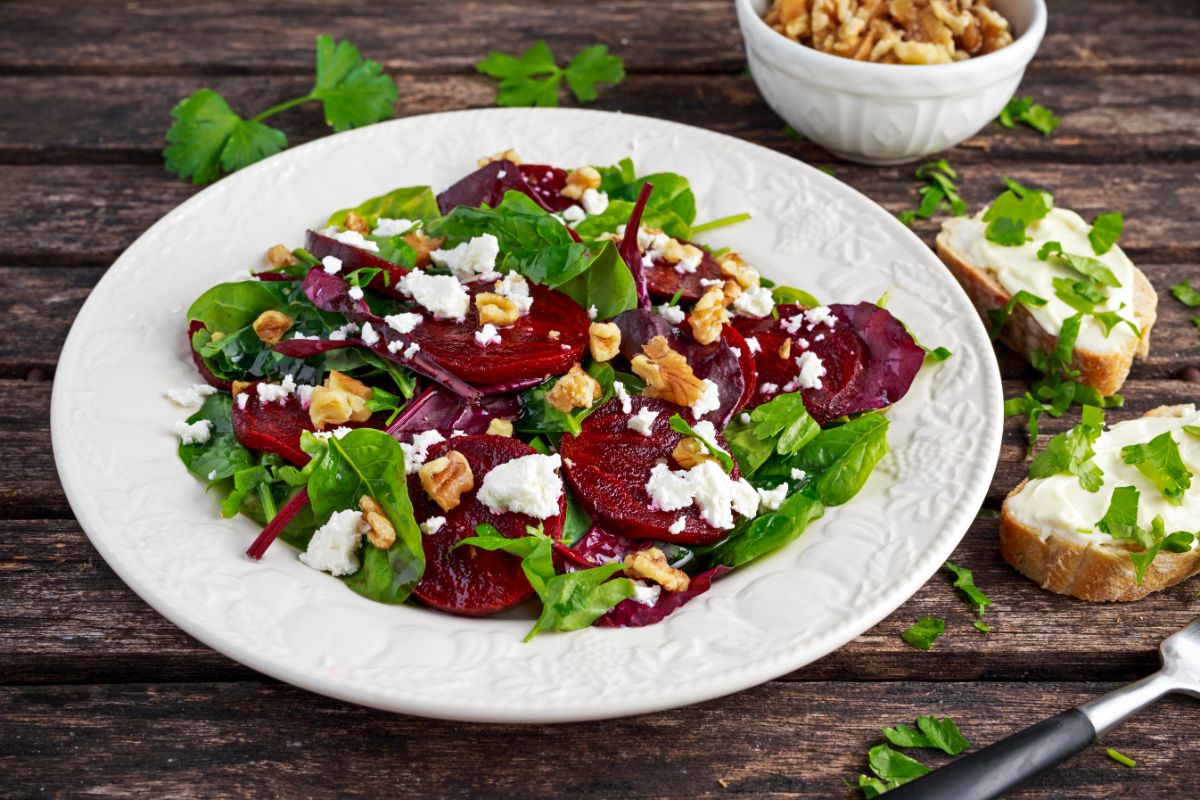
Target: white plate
[154, 525]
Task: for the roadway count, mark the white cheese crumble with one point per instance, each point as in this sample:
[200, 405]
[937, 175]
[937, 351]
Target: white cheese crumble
[403, 323]
[744, 418]
[573, 214]
[241, 400]
[678, 525]
[707, 402]
[689, 263]
[642, 421]
[792, 324]
[337, 433]
[441, 295]
[272, 392]
[756, 302]
[594, 202]
[412, 350]
[416, 453]
[368, 334]
[341, 333]
[432, 525]
[798, 474]
[623, 396]
[385, 226]
[811, 370]
[672, 314]
[819, 314]
[706, 282]
[643, 594]
[356, 293]
[192, 396]
[331, 264]
[526, 485]
[771, 499]
[471, 259]
[707, 486]
[706, 430]
[753, 345]
[356, 239]
[333, 548]
[769, 388]
[592, 312]
[487, 335]
[515, 288]
[198, 432]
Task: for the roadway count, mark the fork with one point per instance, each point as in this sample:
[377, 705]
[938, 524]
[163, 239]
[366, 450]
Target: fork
[1010, 762]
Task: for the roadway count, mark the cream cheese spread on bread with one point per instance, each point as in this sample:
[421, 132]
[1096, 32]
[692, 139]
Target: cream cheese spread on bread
[1017, 268]
[1059, 505]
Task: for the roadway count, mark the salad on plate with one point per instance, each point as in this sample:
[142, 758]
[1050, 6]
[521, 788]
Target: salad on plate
[533, 386]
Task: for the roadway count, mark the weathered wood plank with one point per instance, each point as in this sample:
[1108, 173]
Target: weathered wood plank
[673, 36]
[775, 741]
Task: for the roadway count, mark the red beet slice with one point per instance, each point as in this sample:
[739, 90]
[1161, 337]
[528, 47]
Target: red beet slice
[547, 183]
[629, 613]
[272, 427]
[746, 361]
[487, 185]
[842, 352]
[470, 581]
[356, 258]
[895, 357]
[608, 465]
[663, 280]
[526, 349]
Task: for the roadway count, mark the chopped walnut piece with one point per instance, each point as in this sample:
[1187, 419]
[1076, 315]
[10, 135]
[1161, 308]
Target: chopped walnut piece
[651, 564]
[676, 251]
[576, 389]
[280, 256]
[500, 427]
[732, 291]
[356, 223]
[238, 387]
[708, 316]
[732, 266]
[604, 340]
[554, 335]
[506, 155]
[496, 309]
[422, 245]
[382, 534]
[340, 400]
[271, 326]
[579, 181]
[785, 349]
[667, 374]
[689, 452]
[445, 479]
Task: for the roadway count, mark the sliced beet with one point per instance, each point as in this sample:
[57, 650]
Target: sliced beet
[436, 409]
[525, 350]
[894, 359]
[608, 465]
[598, 546]
[716, 362]
[470, 581]
[357, 258]
[273, 427]
[547, 183]
[841, 351]
[487, 185]
[664, 280]
[745, 358]
[629, 613]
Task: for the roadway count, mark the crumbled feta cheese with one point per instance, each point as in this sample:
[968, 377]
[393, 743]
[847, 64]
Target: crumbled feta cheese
[706, 485]
[594, 202]
[432, 525]
[515, 288]
[592, 312]
[678, 525]
[337, 433]
[706, 282]
[271, 392]
[642, 421]
[241, 400]
[737, 352]
[792, 323]
[771, 499]
[753, 345]
[341, 333]
[442, 295]
[819, 338]
[798, 474]
[356, 293]
[706, 430]
[198, 432]
[623, 395]
[192, 396]
[416, 453]
[391, 227]
[670, 489]
[412, 350]
[454, 434]
[819, 314]
[804, 342]
[403, 323]
[790, 386]
[333, 548]
[572, 214]
[744, 418]
[652, 242]
[288, 384]
[356, 239]
[689, 263]
[707, 402]
[471, 259]
[331, 264]
[300, 337]
[672, 314]
[212, 474]
[526, 485]
[755, 302]
[369, 336]
[811, 370]
[487, 335]
[768, 388]
[646, 595]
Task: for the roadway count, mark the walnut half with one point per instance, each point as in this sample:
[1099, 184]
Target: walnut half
[689, 452]
[651, 564]
[271, 326]
[576, 389]
[445, 479]
[708, 315]
[604, 340]
[667, 374]
[579, 181]
[382, 534]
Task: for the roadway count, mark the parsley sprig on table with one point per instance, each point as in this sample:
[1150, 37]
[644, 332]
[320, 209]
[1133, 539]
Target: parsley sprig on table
[208, 137]
[964, 581]
[938, 192]
[533, 78]
[891, 768]
[1027, 112]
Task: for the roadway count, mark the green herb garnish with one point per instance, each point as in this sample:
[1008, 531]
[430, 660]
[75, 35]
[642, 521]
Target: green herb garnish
[1120, 521]
[533, 78]
[1185, 294]
[922, 633]
[1013, 211]
[1071, 452]
[939, 191]
[934, 734]
[998, 317]
[1159, 460]
[1090, 268]
[679, 425]
[964, 581]
[1106, 229]
[1027, 112]
[1121, 758]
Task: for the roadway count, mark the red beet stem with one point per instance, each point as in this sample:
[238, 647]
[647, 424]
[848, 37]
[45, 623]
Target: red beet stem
[629, 250]
[275, 527]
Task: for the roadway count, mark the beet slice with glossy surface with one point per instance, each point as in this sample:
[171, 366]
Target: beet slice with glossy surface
[526, 348]
[357, 258]
[895, 357]
[273, 427]
[487, 185]
[470, 581]
[547, 183]
[664, 280]
[608, 465]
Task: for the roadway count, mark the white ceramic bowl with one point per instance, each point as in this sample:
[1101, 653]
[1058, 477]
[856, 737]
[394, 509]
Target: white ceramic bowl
[887, 113]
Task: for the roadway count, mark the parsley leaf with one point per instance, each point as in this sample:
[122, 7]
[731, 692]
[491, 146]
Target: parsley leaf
[354, 91]
[1120, 522]
[934, 734]
[533, 78]
[1092, 269]
[964, 581]
[922, 633]
[208, 137]
[940, 191]
[1013, 211]
[679, 425]
[785, 419]
[1071, 452]
[892, 765]
[1185, 294]
[1120, 518]
[1105, 231]
[1159, 460]
[998, 317]
[1029, 113]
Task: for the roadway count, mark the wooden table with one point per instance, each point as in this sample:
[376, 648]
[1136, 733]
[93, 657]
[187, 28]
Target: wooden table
[98, 694]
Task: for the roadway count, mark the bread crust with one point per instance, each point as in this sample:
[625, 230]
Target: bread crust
[1105, 372]
[1096, 572]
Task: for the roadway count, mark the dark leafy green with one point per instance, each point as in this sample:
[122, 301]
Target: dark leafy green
[221, 456]
[924, 632]
[417, 203]
[844, 457]
[1159, 460]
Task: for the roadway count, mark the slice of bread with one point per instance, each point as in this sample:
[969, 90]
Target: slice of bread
[1104, 372]
[1094, 571]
